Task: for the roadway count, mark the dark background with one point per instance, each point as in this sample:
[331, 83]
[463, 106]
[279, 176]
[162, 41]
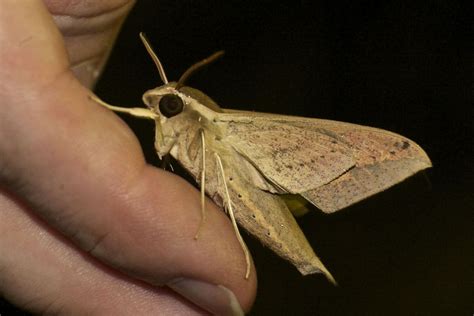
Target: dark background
[404, 66]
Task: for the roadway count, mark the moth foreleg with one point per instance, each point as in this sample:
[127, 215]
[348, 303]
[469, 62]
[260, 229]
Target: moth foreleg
[137, 112]
[230, 211]
[203, 185]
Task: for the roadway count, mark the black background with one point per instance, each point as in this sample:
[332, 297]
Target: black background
[404, 66]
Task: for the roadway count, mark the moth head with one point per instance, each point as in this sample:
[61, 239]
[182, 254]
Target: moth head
[167, 100]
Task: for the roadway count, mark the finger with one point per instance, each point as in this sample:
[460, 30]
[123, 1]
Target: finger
[44, 273]
[89, 29]
[85, 174]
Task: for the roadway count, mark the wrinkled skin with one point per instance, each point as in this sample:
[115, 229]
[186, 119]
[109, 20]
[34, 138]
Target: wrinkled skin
[87, 227]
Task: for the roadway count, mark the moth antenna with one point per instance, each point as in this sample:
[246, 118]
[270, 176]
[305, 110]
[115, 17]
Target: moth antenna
[197, 66]
[232, 218]
[203, 186]
[153, 56]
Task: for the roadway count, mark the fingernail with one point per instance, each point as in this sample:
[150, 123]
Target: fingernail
[216, 299]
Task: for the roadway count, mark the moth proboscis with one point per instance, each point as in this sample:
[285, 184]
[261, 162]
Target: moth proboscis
[248, 162]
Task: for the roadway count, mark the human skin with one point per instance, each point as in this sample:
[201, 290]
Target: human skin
[86, 226]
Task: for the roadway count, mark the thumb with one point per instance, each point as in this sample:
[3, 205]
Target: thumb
[83, 172]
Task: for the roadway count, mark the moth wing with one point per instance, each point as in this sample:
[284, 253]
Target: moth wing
[267, 217]
[293, 159]
[379, 158]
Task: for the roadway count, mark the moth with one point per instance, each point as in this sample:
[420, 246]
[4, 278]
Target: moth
[249, 162]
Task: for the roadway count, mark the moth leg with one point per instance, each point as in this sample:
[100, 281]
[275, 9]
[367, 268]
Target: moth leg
[203, 186]
[159, 138]
[166, 162]
[137, 112]
[232, 218]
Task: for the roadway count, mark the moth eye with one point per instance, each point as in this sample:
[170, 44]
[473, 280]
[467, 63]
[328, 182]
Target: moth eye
[171, 105]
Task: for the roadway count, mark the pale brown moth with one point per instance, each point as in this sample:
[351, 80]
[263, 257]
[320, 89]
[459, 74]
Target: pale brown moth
[247, 161]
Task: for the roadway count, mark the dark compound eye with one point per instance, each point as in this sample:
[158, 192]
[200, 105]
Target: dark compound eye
[171, 105]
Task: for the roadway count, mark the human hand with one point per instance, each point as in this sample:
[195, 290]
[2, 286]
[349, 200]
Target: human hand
[86, 226]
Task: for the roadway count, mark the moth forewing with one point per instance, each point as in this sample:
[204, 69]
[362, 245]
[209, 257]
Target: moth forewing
[349, 162]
